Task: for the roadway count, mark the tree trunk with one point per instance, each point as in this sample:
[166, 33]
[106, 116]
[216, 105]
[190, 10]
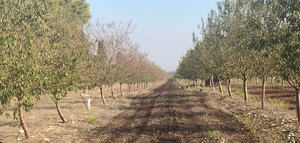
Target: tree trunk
[229, 87]
[22, 122]
[272, 81]
[245, 88]
[298, 103]
[220, 85]
[132, 87]
[63, 119]
[102, 96]
[140, 86]
[129, 88]
[256, 81]
[112, 92]
[212, 83]
[84, 101]
[121, 90]
[282, 83]
[263, 92]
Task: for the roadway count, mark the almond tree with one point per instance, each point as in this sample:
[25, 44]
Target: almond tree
[139, 70]
[68, 43]
[24, 43]
[187, 67]
[226, 67]
[108, 41]
[246, 38]
[288, 49]
[214, 49]
[267, 30]
[241, 36]
[125, 62]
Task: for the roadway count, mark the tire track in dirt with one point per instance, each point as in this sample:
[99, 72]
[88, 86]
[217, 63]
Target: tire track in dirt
[169, 114]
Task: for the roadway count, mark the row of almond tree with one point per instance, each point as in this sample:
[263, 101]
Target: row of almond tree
[48, 48]
[244, 39]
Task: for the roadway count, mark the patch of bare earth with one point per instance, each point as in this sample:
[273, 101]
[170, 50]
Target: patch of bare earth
[45, 125]
[169, 114]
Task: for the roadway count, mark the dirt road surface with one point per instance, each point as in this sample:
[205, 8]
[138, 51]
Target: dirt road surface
[170, 114]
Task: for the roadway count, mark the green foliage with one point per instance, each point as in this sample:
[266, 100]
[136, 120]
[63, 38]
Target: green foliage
[213, 135]
[205, 119]
[46, 47]
[41, 42]
[92, 119]
[68, 45]
[245, 39]
[23, 30]
[288, 50]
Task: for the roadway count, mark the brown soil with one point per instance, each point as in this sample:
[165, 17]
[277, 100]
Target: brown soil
[169, 114]
[45, 125]
[166, 114]
[282, 93]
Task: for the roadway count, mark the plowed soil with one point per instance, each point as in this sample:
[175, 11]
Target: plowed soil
[169, 114]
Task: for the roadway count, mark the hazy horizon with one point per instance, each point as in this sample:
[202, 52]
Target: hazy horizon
[163, 28]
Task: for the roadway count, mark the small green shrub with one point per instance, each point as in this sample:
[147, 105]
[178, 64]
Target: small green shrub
[238, 92]
[214, 135]
[46, 118]
[92, 119]
[205, 118]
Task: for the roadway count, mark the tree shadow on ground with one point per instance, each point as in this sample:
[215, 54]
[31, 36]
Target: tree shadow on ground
[175, 117]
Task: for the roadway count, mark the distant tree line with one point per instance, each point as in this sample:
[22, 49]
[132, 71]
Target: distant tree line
[245, 39]
[48, 47]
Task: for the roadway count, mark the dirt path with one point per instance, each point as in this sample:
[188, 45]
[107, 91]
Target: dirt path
[169, 114]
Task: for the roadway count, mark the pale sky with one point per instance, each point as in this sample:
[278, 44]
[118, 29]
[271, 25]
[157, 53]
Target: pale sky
[164, 27]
